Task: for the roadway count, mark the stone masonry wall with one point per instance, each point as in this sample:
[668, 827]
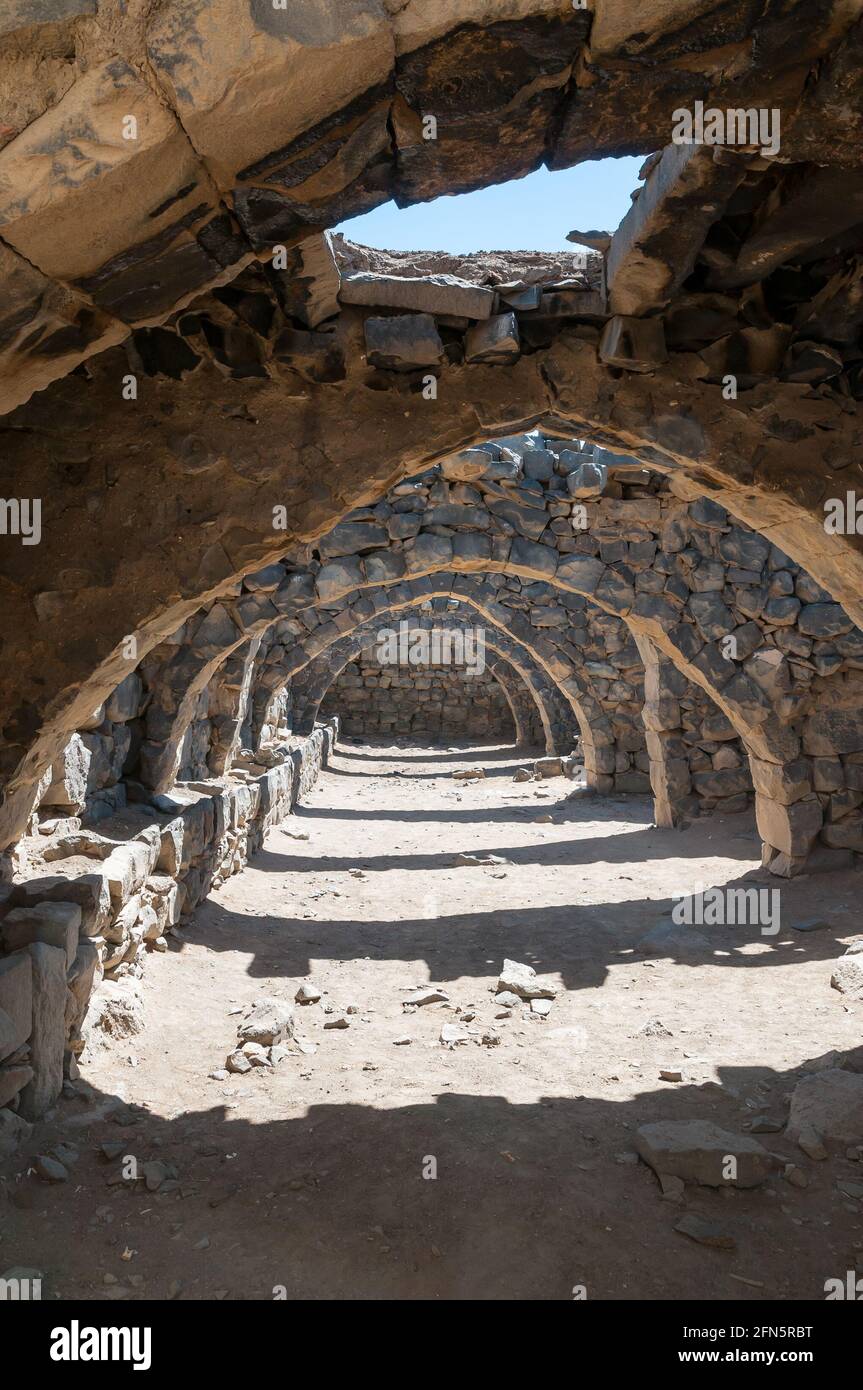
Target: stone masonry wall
[76, 927]
[436, 703]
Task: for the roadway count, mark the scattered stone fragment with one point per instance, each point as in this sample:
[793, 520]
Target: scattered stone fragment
[655, 1028]
[796, 1176]
[403, 1041]
[50, 1169]
[811, 924]
[338, 1021]
[523, 980]
[705, 1232]
[847, 975]
[307, 994]
[238, 1062]
[851, 1189]
[765, 1124]
[667, 1075]
[426, 994]
[257, 1054]
[451, 1034]
[541, 1007]
[673, 1189]
[268, 1021]
[810, 1142]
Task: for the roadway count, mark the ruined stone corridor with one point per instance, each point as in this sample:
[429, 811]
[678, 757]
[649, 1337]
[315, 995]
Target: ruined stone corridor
[310, 1174]
[431, 659]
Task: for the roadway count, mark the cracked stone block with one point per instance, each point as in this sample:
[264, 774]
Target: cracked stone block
[403, 343]
[637, 345]
[698, 1150]
[425, 294]
[496, 341]
[791, 829]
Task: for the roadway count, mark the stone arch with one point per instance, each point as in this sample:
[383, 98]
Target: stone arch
[590, 718]
[322, 671]
[667, 537]
[580, 712]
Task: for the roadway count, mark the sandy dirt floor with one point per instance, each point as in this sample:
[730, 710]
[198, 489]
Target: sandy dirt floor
[310, 1179]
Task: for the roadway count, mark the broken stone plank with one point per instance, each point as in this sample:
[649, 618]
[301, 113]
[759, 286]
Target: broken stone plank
[566, 304]
[654, 249]
[425, 294]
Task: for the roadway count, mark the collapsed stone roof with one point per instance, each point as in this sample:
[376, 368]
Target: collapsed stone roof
[151, 149]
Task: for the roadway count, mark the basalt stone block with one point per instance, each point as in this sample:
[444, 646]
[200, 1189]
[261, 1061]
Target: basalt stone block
[828, 732]
[581, 573]
[351, 538]
[656, 609]
[613, 591]
[69, 776]
[713, 617]
[586, 480]
[530, 521]
[781, 610]
[697, 1151]
[293, 68]
[125, 702]
[425, 294]
[784, 782]
[790, 829]
[471, 549]
[48, 1034]
[492, 85]
[16, 1002]
[429, 552]
[824, 620]
[538, 463]
[536, 559]
[382, 566]
[846, 833]
[404, 343]
[89, 891]
[495, 341]
[338, 577]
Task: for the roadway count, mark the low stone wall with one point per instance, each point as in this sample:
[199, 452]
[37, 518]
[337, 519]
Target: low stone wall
[76, 928]
[431, 702]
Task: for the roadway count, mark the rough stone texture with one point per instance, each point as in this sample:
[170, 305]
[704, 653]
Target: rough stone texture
[434, 704]
[831, 1103]
[48, 1036]
[698, 1150]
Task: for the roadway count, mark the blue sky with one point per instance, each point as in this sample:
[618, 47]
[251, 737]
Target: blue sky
[530, 214]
